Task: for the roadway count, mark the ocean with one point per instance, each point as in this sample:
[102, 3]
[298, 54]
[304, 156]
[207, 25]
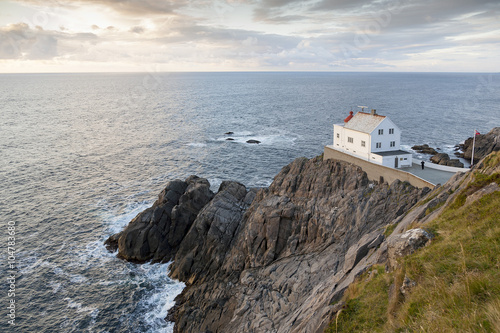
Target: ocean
[82, 154]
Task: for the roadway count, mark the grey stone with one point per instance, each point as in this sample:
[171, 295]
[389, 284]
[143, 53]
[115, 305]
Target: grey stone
[406, 243]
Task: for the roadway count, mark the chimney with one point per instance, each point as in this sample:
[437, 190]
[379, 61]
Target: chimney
[346, 120]
[374, 112]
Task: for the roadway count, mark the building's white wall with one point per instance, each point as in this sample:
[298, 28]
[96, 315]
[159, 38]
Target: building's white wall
[354, 147]
[337, 142]
[376, 158]
[389, 161]
[405, 163]
[386, 138]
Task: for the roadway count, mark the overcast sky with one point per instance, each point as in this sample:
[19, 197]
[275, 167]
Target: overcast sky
[247, 35]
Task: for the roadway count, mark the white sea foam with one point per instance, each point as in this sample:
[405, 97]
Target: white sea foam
[151, 280]
[79, 308]
[197, 144]
[160, 299]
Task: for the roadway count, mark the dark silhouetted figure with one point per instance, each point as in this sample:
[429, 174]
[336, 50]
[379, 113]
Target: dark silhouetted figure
[422, 164]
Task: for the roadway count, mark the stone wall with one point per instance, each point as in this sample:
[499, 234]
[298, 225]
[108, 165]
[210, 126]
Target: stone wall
[375, 171]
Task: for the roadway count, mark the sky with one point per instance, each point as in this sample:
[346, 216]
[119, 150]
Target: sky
[248, 35]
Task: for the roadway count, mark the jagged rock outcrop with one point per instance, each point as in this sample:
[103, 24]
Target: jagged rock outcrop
[285, 263]
[156, 233]
[485, 144]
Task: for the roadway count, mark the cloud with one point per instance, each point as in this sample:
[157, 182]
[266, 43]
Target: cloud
[279, 11]
[272, 34]
[137, 30]
[128, 7]
[19, 41]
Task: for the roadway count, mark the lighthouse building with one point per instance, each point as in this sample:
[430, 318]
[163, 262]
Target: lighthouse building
[371, 137]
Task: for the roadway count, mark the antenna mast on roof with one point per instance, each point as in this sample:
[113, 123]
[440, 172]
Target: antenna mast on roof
[362, 108]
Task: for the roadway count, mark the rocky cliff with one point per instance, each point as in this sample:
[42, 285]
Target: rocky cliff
[268, 260]
[445, 279]
[485, 144]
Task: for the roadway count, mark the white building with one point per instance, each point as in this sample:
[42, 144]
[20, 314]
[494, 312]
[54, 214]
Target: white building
[371, 137]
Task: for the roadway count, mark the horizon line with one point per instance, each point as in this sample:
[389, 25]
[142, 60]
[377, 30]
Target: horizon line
[253, 71]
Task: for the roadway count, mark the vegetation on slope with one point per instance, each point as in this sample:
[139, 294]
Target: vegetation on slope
[457, 275]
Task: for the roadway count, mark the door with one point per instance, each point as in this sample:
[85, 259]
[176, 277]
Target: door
[396, 162]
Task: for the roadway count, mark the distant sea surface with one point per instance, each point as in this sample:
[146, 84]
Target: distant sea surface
[82, 154]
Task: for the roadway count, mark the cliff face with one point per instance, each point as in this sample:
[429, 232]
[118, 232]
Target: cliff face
[268, 260]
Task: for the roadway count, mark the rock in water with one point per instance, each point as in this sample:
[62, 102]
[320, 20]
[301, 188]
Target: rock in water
[253, 141]
[424, 149]
[156, 233]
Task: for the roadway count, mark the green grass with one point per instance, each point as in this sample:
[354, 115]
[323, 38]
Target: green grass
[357, 314]
[457, 275]
[389, 229]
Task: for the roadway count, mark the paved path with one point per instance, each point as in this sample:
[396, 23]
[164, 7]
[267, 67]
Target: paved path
[431, 175]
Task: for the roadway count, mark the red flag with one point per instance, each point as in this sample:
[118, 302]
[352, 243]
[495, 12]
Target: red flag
[477, 133]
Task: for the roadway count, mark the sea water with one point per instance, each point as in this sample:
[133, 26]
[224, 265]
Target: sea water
[82, 154]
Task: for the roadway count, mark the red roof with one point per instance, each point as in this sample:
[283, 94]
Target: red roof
[348, 117]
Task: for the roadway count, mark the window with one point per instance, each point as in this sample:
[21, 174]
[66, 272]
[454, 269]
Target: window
[338, 136]
[406, 159]
[391, 130]
[380, 132]
[400, 158]
[350, 140]
[379, 144]
[393, 143]
[363, 144]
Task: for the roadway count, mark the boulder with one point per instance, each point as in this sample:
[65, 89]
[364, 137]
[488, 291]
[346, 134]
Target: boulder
[424, 149]
[406, 243]
[253, 141]
[455, 163]
[407, 286]
[440, 158]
